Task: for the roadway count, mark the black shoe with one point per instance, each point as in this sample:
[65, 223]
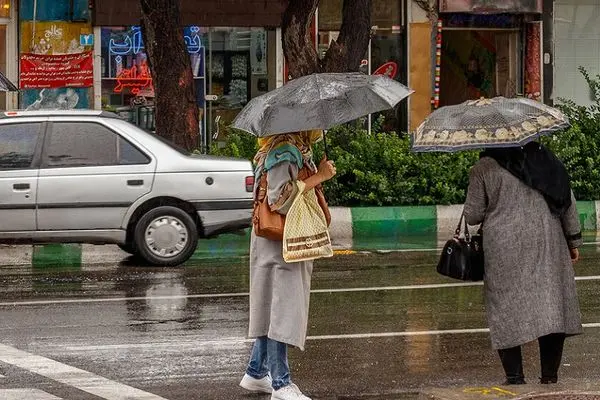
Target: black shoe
[546, 381]
[515, 381]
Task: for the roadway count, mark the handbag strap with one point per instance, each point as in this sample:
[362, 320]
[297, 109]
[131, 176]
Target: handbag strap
[457, 231]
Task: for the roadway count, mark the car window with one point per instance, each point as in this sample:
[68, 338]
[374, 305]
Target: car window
[130, 155]
[86, 144]
[17, 145]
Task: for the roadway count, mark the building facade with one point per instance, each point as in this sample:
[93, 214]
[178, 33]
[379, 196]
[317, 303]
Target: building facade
[448, 52]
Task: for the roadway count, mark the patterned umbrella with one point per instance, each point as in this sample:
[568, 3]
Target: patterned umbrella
[319, 101]
[484, 123]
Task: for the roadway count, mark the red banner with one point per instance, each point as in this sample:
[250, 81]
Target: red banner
[39, 71]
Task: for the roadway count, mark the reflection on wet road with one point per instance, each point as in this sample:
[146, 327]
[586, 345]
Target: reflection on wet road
[379, 324]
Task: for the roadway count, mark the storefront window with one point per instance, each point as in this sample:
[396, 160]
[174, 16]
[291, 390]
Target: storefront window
[230, 66]
[479, 63]
[386, 47]
[482, 56]
[126, 78]
[238, 69]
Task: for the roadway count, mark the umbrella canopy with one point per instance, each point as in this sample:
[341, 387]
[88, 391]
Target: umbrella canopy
[6, 85]
[484, 123]
[319, 101]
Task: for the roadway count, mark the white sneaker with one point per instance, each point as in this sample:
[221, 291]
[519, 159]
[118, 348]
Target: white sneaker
[257, 385]
[290, 392]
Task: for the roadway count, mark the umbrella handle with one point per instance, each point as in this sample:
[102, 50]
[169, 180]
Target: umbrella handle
[325, 145]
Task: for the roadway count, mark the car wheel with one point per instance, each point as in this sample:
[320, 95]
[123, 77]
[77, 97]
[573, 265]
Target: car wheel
[166, 236]
[128, 248]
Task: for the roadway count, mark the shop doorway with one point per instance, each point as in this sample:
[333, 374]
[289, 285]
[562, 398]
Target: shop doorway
[480, 63]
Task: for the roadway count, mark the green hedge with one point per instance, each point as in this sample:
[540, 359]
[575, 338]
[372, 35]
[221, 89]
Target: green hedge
[579, 147]
[380, 170]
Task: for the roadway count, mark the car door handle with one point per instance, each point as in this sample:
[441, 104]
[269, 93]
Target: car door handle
[21, 186]
[135, 182]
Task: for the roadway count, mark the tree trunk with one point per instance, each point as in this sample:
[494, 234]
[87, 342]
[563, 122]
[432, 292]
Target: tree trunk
[298, 48]
[175, 96]
[346, 53]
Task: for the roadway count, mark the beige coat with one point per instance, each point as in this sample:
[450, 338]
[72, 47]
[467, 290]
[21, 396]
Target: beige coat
[279, 291]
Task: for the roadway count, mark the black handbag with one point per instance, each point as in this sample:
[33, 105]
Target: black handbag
[462, 258]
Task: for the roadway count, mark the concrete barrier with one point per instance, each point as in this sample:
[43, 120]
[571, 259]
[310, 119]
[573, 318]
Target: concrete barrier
[363, 228]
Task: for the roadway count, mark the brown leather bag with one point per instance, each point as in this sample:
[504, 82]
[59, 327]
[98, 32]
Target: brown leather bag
[269, 224]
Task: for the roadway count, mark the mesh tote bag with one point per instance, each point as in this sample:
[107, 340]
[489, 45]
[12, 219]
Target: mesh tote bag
[305, 234]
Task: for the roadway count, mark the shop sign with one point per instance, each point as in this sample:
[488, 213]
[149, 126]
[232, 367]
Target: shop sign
[131, 42]
[137, 79]
[459, 20]
[389, 68]
[39, 71]
[86, 40]
[491, 6]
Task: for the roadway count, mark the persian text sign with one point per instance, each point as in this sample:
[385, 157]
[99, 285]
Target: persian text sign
[39, 71]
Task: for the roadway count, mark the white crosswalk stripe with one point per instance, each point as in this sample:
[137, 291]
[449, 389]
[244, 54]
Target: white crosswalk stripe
[68, 375]
[26, 394]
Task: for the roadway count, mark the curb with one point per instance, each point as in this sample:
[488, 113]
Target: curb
[524, 392]
[357, 229]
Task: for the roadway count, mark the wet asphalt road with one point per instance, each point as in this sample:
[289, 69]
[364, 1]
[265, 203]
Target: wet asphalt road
[379, 324]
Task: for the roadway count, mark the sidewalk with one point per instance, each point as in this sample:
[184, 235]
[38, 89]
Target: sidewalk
[520, 392]
[357, 229]
[516, 392]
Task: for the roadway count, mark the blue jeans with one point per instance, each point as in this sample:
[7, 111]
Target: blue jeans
[270, 356]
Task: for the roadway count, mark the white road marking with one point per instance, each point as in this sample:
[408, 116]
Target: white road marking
[26, 394]
[246, 294]
[75, 377]
[414, 333]
[182, 345]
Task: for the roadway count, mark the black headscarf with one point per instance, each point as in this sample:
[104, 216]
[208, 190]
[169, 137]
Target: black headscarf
[538, 168]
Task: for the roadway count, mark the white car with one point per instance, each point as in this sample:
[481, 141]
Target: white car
[91, 177]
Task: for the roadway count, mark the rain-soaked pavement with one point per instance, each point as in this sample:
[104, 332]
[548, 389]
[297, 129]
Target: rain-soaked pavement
[380, 324]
